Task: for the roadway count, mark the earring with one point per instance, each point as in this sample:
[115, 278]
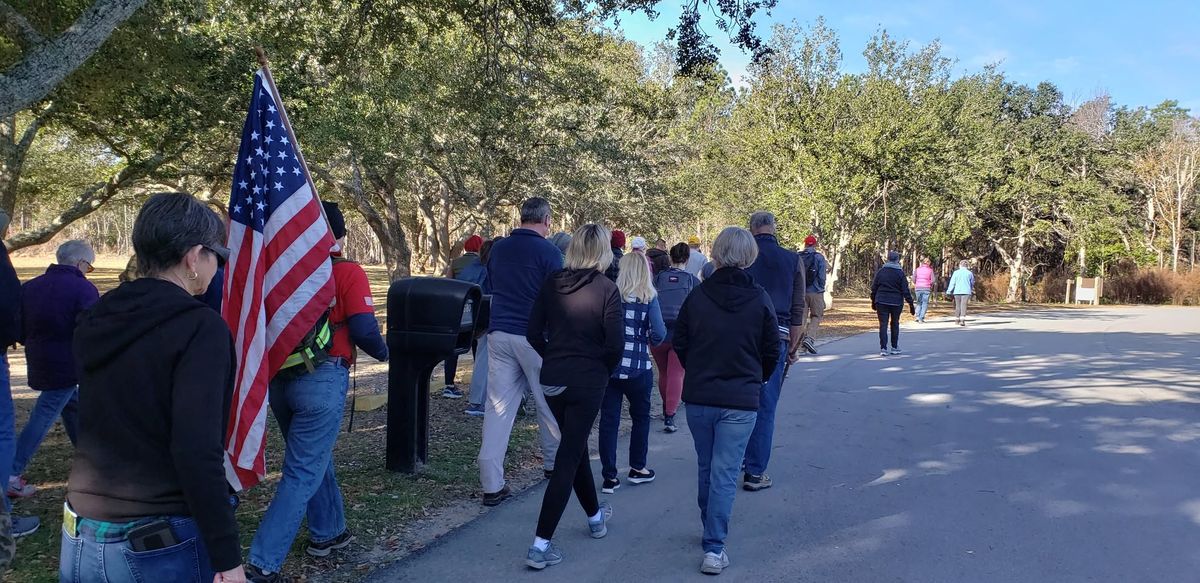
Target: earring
[193, 276]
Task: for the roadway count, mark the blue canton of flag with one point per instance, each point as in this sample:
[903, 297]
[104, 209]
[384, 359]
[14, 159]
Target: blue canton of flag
[268, 170]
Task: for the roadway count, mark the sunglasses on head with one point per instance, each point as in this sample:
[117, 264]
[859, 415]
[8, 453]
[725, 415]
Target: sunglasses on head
[218, 251]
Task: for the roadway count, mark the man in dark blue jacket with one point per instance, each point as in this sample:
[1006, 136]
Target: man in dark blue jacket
[50, 305]
[516, 268]
[781, 273]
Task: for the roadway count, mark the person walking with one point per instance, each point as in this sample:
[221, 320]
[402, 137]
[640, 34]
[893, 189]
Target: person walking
[815, 268]
[727, 338]
[923, 284]
[576, 326]
[11, 527]
[781, 273]
[889, 292]
[673, 285]
[961, 286]
[634, 377]
[618, 251]
[479, 372]
[660, 259]
[308, 399]
[146, 496]
[696, 260]
[517, 267]
[50, 306]
[470, 269]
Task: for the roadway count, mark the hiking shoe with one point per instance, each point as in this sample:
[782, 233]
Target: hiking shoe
[495, 498]
[539, 560]
[610, 485]
[452, 392]
[640, 477]
[669, 424]
[752, 483]
[894, 351]
[337, 543]
[713, 563]
[600, 529]
[19, 488]
[258, 575]
[25, 525]
[474, 410]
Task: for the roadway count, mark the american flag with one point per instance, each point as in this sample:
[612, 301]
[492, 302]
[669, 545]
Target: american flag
[279, 279]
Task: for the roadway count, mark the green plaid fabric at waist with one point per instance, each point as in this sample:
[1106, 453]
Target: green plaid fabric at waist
[109, 532]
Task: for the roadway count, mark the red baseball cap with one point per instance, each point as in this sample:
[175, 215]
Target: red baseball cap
[810, 241]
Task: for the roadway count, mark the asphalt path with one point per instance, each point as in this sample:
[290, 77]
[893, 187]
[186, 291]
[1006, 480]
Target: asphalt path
[1046, 445]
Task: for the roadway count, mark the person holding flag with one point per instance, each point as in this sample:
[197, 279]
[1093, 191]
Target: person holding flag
[296, 310]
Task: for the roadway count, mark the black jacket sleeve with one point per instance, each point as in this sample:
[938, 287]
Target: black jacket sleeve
[536, 332]
[614, 330]
[200, 398]
[680, 334]
[799, 287]
[770, 339]
[10, 300]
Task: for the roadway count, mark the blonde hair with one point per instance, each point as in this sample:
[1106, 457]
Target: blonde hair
[634, 279]
[734, 247]
[589, 249]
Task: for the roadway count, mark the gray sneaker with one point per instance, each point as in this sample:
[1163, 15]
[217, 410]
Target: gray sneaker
[539, 560]
[24, 525]
[894, 351]
[600, 529]
[713, 563]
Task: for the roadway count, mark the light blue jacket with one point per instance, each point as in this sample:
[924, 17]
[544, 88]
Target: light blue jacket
[962, 282]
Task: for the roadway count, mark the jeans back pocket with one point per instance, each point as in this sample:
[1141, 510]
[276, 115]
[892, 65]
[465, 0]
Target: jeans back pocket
[178, 562]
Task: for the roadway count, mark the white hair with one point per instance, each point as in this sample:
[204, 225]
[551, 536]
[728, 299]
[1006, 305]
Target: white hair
[72, 252]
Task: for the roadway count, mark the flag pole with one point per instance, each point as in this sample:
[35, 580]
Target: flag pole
[287, 126]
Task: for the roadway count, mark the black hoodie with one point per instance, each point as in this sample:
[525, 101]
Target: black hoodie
[577, 327]
[155, 384]
[727, 340]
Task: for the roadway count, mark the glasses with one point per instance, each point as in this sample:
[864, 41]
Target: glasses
[221, 253]
[89, 266]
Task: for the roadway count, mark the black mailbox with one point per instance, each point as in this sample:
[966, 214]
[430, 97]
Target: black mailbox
[428, 319]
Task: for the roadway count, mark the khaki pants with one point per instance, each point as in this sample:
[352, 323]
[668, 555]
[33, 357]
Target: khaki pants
[816, 310]
[960, 306]
[513, 367]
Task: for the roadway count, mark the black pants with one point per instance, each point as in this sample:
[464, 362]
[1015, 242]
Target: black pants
[575, 410]
[886, 314]
[451, 364]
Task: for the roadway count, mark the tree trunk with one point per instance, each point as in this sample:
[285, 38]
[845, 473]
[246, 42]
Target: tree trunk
[13, 149]
[840, 244]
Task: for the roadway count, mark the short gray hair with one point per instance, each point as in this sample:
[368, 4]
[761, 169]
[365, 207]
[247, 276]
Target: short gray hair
[965, 264]
[762, 220]
[535, 210]
[72, 252]
[169, 225]
[734, 247]
[562, 240]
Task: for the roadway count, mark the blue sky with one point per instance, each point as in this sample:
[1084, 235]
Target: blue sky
[1139, 52]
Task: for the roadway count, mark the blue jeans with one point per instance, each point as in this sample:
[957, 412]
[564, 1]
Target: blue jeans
[720, 436]
[758, 452]
[7, 427]
[479, 374]
[922, 304]
[83, 560]
[50, 405]
[637, 390]
[309, 411]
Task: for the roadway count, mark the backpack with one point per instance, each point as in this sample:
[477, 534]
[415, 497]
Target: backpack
[313, 349]
[673, 288]
[811, 267]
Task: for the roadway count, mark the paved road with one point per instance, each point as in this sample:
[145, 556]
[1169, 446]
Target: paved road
[1054, 445]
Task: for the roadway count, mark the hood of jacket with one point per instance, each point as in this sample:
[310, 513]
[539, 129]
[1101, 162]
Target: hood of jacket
[730, 288]
[125, 315]
[569, 281]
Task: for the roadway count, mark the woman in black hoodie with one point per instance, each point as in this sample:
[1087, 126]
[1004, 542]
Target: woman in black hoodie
[577, 327]
[727, 339]
[889, 291]
[147, 498]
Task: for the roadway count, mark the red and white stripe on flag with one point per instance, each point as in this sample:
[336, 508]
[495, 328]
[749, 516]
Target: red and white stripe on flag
[279, 279]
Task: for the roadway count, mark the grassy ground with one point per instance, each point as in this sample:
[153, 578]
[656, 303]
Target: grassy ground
[390, 513]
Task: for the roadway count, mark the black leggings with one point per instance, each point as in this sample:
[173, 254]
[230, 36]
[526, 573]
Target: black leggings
[886, 314]
[575, 410]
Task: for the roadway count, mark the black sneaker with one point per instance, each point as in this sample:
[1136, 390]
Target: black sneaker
[452, 392]
[257, 575]
[610, 485]
[338, 543]
[642, 477]
[669, 424]
[755, 483]
[809, 346]
[495, 498]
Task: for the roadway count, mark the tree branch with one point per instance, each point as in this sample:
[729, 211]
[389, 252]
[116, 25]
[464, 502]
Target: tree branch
[17, 27]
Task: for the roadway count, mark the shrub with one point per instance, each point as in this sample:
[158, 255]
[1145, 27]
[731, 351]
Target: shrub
[992, 287]
[1129, 284]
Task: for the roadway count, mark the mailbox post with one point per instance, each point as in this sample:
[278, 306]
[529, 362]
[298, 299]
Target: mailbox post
[429, 319]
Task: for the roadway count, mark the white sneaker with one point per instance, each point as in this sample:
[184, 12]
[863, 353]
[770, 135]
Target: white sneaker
[713, 563]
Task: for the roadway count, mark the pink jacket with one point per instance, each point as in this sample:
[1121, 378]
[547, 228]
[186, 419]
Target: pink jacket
[923, 278]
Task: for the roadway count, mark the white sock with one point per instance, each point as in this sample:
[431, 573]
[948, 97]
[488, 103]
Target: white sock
[540, 543]
[597, 518]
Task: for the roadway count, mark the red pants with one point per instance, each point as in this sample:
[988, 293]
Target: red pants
[670, 376]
